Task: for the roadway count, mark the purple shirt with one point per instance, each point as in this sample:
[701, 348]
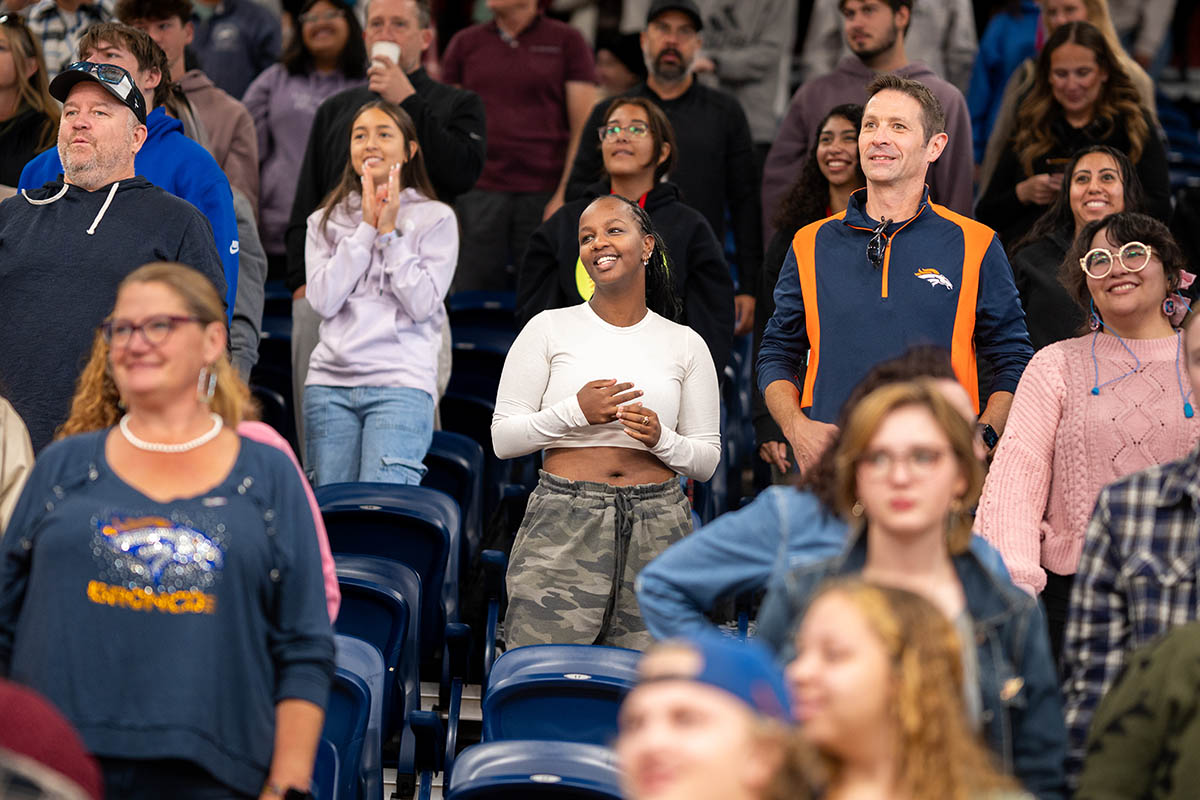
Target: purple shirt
[283, 107]
[523, 83]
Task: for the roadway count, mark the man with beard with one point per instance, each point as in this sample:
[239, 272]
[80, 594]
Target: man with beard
[715, 169]
[875, 31]
[66, 246]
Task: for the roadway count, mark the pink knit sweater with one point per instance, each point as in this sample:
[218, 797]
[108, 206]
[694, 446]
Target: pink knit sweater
[1062, 445]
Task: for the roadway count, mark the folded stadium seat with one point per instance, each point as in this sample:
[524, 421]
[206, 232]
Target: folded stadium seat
[325, 770]
[381, 604]
[354, 718]
[535, 769]
[413, 525]
[563, 692]
[455, 465]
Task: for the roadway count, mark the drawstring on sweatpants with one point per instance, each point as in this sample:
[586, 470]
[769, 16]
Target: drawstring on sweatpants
[623, 535]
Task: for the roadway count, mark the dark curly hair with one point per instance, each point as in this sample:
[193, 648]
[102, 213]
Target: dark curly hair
[352, 61]
[1120, 229]
[661, 297]
[808, 198]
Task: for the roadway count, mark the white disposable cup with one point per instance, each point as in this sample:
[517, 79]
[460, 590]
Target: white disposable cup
[389, 50]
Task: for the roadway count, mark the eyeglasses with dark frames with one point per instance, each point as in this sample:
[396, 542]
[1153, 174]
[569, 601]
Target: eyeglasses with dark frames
[878, 244]
[155, 330]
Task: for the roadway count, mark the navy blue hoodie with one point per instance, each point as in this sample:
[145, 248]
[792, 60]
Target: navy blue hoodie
[63, 251]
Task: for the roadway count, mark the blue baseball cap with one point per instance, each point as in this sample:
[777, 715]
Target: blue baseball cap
[745, 670]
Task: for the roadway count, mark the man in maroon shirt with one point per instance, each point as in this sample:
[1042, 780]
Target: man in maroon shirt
[537, 80]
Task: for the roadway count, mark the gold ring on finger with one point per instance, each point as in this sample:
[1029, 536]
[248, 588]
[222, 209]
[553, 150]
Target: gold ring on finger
[645, 420]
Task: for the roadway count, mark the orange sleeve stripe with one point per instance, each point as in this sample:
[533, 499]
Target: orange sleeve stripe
[804, 249]
[977, 238]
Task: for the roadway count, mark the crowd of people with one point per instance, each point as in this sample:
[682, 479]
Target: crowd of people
[943, 270]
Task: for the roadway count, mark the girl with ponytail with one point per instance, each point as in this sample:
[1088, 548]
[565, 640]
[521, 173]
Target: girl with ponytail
[623, 401]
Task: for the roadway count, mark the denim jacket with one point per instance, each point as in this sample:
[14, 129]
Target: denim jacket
[1022, 707]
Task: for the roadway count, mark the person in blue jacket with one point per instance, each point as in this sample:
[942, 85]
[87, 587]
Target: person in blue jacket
[892, 271]
[785, 527]
[168, 159]
[1010, 38]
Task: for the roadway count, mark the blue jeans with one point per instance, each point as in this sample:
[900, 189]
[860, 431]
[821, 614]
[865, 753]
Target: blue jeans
[367, 433]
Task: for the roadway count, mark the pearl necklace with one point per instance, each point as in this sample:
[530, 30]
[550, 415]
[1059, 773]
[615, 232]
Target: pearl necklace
[182, 447]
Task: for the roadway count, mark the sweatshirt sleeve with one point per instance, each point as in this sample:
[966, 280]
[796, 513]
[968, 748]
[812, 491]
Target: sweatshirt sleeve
[299, 637]
[589, 164]
[453, 140]
[538, 275]
[204, 185]
[760, 56]
[16, 550]
[334, 267]
[257, 101]
[1001, 336]
[197, 250]
[310, 189]
[954, 171]
[708, 296]
[785, 341]
[744, 200]
[694, 447]
[999, 203]
[419, 264]
[787, 153]
[520, 425]
[40, 170]
[16, 460]
[1017, 490]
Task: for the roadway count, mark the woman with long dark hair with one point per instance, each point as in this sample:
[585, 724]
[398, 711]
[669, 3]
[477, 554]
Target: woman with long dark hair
[28, 114]
[1097, 181]
[623, 400]
[828, 178]
[1081, 96]
[325, 56]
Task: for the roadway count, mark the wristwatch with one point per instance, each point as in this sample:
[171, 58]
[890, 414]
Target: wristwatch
[989, 435]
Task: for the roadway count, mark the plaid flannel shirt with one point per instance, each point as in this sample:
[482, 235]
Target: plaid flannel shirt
[1136, 579]
[59, 31]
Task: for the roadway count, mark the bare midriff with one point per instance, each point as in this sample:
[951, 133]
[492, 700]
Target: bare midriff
[616, 466]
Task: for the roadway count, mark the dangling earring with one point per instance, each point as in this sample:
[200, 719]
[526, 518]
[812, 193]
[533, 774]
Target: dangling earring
[857, 509]
[1093, 318]
[206, 392]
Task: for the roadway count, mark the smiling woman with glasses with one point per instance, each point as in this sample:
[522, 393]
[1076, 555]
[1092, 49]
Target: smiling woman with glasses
[906, 474]
[638, 146]
[28, 114]
[177, 561]
[1094, 408]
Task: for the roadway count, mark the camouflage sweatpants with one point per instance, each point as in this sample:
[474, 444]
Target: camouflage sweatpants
[580, 546]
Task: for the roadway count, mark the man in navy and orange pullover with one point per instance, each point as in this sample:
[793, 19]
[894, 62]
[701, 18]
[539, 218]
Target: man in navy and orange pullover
[892, 271]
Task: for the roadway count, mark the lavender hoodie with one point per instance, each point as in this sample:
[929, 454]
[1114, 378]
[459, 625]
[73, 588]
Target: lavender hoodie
[380, 298]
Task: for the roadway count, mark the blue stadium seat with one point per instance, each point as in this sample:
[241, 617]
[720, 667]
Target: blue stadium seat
[325, 770]
[535, 769]
[354, 718]
[381, 604]
[455, 465]
[563, 692]
[413, 525]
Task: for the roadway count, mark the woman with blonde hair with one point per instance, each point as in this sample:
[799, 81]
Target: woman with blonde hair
[1054, 14]
[28, 114]
[878, 685]
[177, 566]
[906, 475]
[1081, 96]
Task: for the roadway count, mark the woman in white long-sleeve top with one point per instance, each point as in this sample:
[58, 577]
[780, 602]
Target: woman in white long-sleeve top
[623, 400]
[379, 259]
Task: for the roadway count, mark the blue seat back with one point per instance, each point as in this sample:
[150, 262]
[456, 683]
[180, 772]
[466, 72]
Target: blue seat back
[533, 769]
[360, 669]
[381, 603]
[560, 692]
[413, 525]
[455, 465]
[325, 771]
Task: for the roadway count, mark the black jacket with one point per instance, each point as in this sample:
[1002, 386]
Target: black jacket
[1051, 314]
[61, 259]
[450, 129]
[547, 275]
[1000, 209]
[18, 143]
[715, 170]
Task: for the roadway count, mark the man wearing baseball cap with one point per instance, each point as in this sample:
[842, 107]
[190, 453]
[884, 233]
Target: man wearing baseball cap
[715, 171]
[66, 246]
[708, 719]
